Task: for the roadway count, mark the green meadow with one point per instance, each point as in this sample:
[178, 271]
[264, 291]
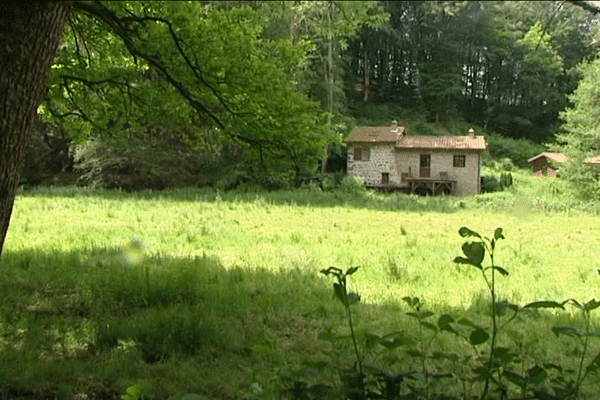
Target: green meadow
[220, 294]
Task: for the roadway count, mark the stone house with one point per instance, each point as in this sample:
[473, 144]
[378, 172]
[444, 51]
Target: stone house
[388, 158]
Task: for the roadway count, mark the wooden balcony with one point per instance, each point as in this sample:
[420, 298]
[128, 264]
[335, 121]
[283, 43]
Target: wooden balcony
[431, 186]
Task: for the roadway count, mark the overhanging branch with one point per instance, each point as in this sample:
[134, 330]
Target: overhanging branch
[126, 28]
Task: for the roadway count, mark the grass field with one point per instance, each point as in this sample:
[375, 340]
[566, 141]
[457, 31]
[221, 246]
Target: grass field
[174, 290]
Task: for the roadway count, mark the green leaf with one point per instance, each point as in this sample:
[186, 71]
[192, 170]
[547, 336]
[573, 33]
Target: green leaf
[575, 303]
[566, 330]
[415, 353]
[353, 298]
[554, 367]
[437, 355]
[466, 232]
[444, 322]
[498, 234]
[340, 293]
[536, 375]
[428, 325]
[331, 271]
[462, 260]
[591, 305]
[482, 373]
[515, 378]
[478, 336]
[396, 339]
[501, 270]
[594, 365]
[503, 305]
[504, 354]
[475, 251]
[545, 304]
[134, 392]
[352, 270]
[468, 322]
[411, 301]
[420, 315]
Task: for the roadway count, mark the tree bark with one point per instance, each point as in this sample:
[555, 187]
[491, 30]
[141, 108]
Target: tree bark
[29, 37]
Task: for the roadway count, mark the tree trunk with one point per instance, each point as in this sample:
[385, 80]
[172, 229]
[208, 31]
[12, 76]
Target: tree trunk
[29, 36]
[330, 83]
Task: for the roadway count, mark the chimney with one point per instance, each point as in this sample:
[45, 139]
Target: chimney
[471, 133]
[394, 126]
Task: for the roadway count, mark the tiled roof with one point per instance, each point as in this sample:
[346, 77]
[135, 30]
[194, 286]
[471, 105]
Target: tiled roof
[556, 157]
[402, 140]
[442, 142]
[375, 134]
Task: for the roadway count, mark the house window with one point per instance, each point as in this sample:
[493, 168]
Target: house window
[459, 161]
[425, 170]
[362, 154]
[385, 178]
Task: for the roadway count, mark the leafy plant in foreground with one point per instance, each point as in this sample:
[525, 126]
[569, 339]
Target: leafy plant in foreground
[500, 372]
[474, 255]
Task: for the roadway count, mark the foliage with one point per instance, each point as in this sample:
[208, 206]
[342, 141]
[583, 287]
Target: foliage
[516, 150]
[581, 136]
[490, 183]
[152, 161]
[204, 73]
[506, 66]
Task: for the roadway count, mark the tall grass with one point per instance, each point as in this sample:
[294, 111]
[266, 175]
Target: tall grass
[174, 289]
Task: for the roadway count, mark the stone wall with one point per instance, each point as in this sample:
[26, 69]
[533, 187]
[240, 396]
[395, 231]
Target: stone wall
[384, 158]
[381, 160]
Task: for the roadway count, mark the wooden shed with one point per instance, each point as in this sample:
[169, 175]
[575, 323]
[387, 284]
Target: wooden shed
[546, 164]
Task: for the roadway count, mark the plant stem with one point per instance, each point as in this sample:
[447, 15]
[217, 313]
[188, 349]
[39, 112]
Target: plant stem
[579, 379]
[358, 359]
[494, 330]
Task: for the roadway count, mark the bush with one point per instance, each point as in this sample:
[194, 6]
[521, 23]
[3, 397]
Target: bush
[353, 184]
[491, 183]
[147, 162]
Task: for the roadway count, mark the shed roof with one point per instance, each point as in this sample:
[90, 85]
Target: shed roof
[556, 157]
[401, 139]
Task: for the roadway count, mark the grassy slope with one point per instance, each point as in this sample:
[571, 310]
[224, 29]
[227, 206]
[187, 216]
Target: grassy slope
[226, 271]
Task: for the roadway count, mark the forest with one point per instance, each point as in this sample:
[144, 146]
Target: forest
[256, 92]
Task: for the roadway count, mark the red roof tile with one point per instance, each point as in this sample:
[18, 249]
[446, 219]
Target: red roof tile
[442, 142]
[402, 140]
[379, 134]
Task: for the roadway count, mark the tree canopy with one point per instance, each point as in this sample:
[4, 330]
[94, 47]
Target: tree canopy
[580, 138]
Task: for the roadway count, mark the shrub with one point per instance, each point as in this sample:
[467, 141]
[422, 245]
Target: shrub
[491, 183]
[353, 184]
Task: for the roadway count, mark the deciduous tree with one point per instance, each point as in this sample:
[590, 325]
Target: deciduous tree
[29, 35]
